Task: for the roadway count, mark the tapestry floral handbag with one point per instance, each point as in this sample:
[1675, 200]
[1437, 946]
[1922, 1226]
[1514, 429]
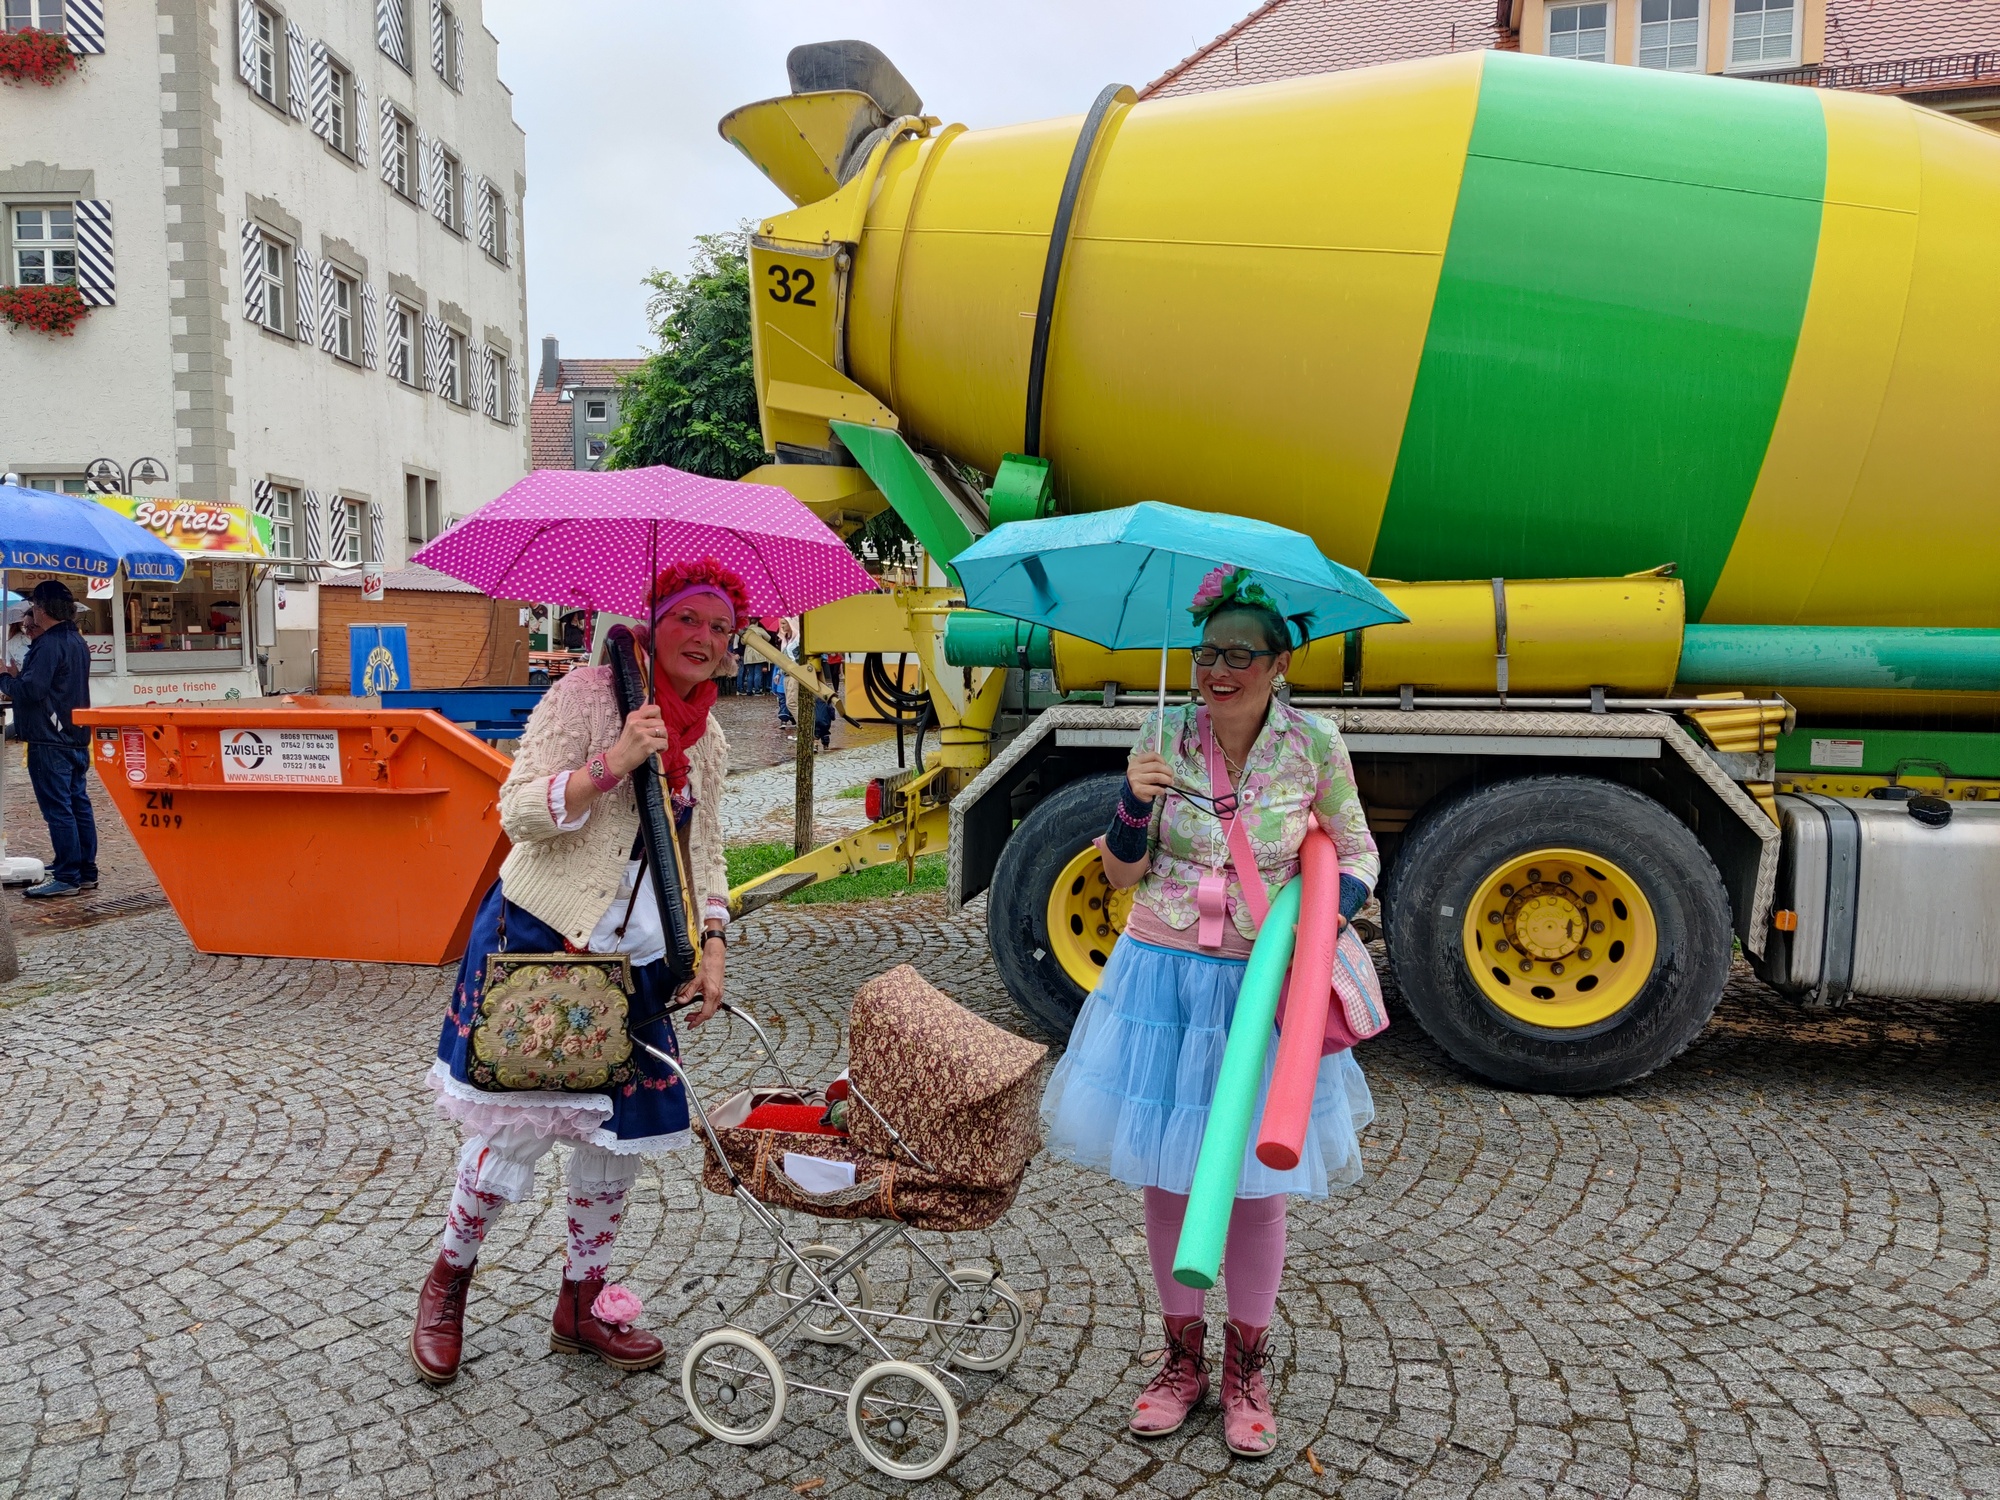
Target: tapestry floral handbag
[554, 1021]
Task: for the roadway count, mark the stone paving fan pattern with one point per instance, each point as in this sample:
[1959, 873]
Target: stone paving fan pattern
[1768, 1270]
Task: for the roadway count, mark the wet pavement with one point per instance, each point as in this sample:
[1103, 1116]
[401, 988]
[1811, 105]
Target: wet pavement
[1769, 1270]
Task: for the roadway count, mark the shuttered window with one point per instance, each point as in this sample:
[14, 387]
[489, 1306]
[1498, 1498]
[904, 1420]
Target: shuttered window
[45, 246]
[404, 356]
[295, 70]
[84, 21]
[267, 298]
[306, 280]
[257, 50]
[392, 31]
[369, 324]
[399, 138]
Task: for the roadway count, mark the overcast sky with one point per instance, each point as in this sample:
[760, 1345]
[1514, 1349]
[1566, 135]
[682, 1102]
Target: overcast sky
[625, 167]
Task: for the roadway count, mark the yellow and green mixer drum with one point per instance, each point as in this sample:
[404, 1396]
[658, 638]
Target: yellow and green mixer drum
[1488, 314]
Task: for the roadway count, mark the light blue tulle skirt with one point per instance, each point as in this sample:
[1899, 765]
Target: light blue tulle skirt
[1130, 1097]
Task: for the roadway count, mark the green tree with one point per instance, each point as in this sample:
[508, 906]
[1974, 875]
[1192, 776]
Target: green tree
[694, 404]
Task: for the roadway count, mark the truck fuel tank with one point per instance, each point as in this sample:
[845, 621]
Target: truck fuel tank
[1894, 898]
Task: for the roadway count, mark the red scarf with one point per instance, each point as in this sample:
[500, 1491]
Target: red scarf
[686, 720]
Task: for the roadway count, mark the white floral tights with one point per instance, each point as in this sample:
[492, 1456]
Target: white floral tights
[499, 1168]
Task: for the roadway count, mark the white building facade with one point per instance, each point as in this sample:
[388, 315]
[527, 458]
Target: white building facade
[298, 227]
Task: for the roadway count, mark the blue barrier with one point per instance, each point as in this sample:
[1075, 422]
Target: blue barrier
[492, 713]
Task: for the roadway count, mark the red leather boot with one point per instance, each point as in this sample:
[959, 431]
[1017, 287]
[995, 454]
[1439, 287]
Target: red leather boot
[438, 1338]
[578, 1330]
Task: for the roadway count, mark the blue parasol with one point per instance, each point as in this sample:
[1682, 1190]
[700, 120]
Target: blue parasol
[45, 532]
[1124, 578]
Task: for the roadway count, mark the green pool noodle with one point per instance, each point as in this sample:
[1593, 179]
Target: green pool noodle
[1219, 1166]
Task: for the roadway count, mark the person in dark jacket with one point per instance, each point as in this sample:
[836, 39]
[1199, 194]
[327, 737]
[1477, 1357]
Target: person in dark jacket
[54, 680]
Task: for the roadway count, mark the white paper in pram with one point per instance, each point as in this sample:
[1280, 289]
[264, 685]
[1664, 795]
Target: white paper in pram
[816, 1174]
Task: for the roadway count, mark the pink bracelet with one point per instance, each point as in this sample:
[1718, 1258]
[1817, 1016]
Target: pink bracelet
[600, 773]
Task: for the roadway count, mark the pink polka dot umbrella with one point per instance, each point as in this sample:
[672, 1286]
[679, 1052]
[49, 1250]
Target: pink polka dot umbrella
[595, 541]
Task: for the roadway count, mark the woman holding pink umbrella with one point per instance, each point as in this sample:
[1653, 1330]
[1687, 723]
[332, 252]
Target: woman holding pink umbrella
[571, 883]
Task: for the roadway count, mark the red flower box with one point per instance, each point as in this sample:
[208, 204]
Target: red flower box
[54, 310]
[33, 55]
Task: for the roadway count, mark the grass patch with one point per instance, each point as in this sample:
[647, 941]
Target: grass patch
[748, 861]
[852, 793]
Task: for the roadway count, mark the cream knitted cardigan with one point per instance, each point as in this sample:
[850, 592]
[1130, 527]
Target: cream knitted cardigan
[569, 879]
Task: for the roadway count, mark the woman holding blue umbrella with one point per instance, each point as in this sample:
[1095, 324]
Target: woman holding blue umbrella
[1131, 1095]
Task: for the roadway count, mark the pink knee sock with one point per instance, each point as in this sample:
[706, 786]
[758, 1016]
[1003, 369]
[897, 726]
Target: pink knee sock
[1253, 1259]
[1164, 1211]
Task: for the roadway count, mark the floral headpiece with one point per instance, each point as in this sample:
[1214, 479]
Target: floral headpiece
[705, 577]
[1230, 588]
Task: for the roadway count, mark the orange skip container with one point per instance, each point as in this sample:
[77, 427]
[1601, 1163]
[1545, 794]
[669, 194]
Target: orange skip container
[299, 831]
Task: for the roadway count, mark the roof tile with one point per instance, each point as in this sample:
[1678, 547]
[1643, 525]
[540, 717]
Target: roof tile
[551, 433]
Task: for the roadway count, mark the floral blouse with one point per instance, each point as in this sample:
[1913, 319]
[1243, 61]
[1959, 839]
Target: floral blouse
[1297, 765]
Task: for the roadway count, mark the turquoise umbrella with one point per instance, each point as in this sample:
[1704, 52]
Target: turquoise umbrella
[1124, 578]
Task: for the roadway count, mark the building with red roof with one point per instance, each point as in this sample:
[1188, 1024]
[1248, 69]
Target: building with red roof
[574, 409]
[1941, 53]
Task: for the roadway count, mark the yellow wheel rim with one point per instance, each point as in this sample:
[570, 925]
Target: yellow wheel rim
[1085, 917]
[1560, 938]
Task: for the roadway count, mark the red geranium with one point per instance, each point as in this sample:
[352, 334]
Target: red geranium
[43, 56]
[52, 310]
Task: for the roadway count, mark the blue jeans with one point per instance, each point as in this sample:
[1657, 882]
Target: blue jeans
[60, 775]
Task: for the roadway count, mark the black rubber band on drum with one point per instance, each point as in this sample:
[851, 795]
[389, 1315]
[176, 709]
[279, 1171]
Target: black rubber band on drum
[1079, 163]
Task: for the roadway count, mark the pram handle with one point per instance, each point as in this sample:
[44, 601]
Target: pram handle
[687, 1084]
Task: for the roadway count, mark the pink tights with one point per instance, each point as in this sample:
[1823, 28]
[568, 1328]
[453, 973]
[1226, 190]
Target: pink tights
[1253, 1257]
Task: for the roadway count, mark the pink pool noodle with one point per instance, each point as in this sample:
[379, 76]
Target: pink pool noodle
[1295, 1073]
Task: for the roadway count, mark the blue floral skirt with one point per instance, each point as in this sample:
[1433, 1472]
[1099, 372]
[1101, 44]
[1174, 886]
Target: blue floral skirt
[1130, 1096]
[646, 1115]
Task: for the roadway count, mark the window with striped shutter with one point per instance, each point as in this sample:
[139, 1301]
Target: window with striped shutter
[83, 26]
[444, 186]
[94, 271]
[420, 169]
[246, 42]
[295, 70]
[261, 498]
[437, 37]
[486, 240]
[315, 518]
[336, 526]
[377, 551]
[305, 278]
[329, 312]
[457, 55]
[253, 272]
[360, 123]
[436, 350]
[391, 35]
[321, 73]
[368, 324]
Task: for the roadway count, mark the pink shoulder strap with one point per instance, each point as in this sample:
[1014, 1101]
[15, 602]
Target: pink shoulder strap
[1242, 858]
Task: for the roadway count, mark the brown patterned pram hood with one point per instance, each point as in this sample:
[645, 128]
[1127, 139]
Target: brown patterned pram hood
[960, 1093]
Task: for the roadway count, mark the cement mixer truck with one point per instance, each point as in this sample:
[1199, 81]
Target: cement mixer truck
[1662, 405]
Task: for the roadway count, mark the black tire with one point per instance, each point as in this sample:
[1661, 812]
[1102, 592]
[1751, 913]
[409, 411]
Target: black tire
[1017, 911]
[1452, 848]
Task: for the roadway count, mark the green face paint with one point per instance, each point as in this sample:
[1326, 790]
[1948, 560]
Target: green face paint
[1614, 325]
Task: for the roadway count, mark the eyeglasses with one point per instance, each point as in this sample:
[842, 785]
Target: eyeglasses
[1236, 658]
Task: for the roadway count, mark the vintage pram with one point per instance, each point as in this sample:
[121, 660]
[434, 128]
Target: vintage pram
[941, 1123]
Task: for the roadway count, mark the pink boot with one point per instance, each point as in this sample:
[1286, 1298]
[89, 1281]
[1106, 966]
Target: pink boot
[1247, 1424]
[1181, 1384]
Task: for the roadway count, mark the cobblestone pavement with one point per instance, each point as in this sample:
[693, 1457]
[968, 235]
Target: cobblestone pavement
[126, 884]
[758, 804]
[1769, 1270]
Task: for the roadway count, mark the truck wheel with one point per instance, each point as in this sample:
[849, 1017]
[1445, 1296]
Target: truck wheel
[1052, 916]
[1557, 933]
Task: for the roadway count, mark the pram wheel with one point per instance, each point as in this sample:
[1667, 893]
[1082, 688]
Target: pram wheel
[734, 1386]
[977, 1318]
[903, 1419]
[852, 1287]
